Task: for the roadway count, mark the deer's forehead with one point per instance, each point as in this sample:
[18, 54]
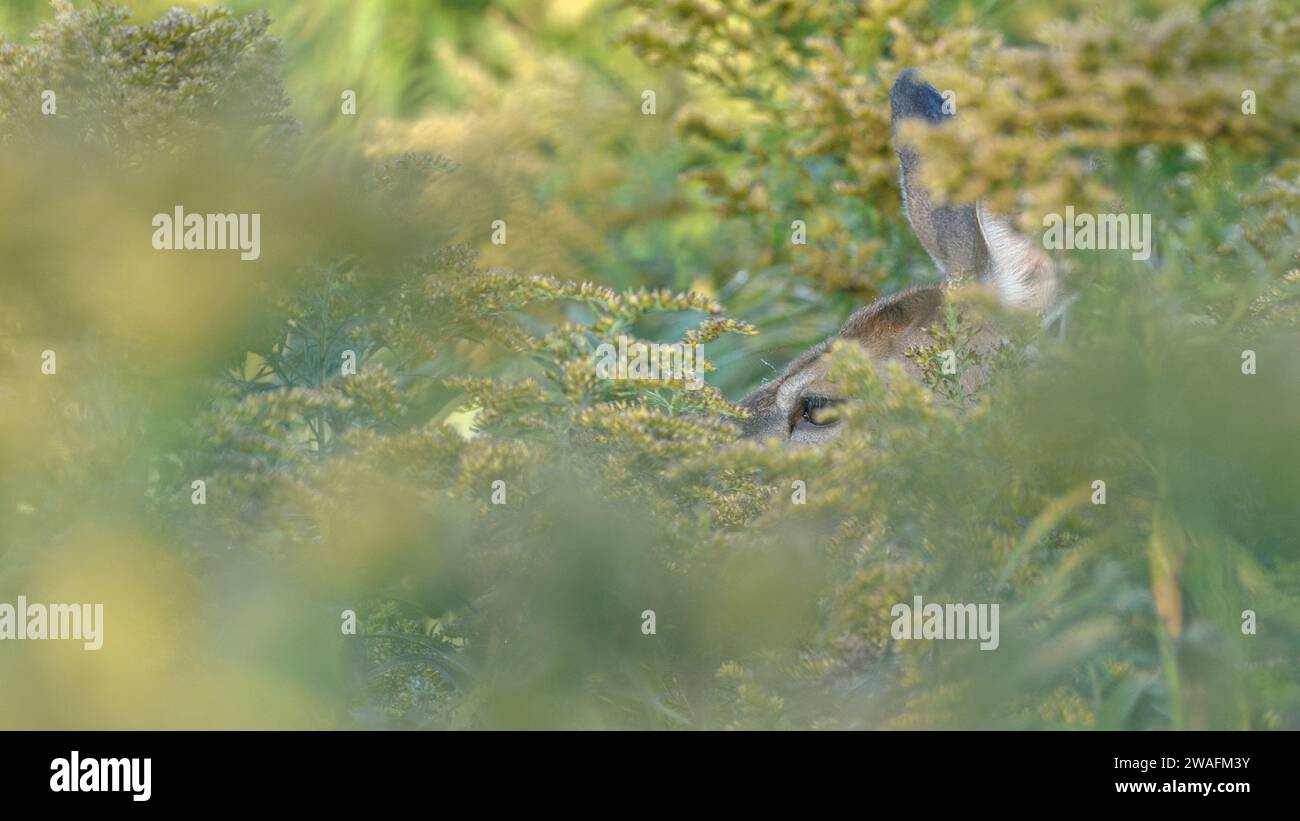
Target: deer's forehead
[814, 370]
[792, 385]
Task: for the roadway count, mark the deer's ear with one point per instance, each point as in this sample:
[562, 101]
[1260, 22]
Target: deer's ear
[964, 239]
[1022, 272]
[949, 233]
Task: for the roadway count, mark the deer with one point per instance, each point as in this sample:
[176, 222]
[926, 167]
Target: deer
[967, 242]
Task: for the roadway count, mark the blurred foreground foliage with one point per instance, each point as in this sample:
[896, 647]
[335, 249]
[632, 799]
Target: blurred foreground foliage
[373, 491]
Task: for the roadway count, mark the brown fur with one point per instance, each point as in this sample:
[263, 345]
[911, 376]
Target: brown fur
[961, 239]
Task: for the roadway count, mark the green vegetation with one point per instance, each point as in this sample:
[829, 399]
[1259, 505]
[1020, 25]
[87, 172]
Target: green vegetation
[373, 491]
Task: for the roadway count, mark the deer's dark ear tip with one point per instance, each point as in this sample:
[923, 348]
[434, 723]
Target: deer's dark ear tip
[911, 96]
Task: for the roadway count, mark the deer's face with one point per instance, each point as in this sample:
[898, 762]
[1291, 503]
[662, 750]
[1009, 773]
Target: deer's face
[795, 406]
[961, 239]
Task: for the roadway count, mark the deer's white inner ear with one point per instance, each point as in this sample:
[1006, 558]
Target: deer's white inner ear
[1021, 272]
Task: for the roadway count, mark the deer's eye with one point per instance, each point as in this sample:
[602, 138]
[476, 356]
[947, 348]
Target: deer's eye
[812, 410]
